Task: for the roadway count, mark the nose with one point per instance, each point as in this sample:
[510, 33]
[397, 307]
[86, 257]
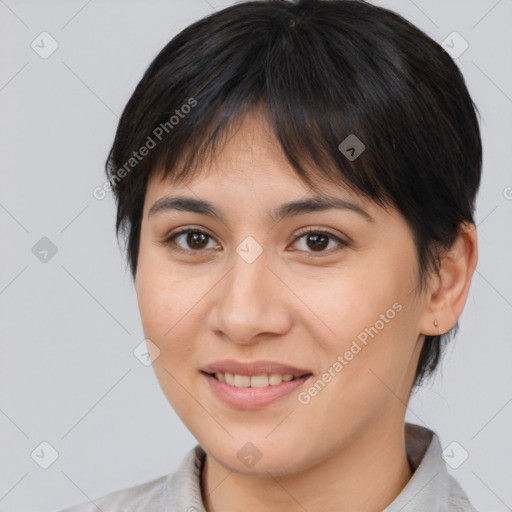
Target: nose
[250, 302]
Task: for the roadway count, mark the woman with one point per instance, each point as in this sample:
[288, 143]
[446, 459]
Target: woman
[296, 182]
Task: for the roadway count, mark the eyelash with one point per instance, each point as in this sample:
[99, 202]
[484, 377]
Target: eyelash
[343, 243]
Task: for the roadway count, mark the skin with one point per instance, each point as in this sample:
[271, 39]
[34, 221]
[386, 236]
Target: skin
[345, 449]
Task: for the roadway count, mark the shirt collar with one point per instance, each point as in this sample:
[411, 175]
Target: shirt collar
[429, 487]
[426, 489]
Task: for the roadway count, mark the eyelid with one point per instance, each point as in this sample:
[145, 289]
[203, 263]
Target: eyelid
[186, 229]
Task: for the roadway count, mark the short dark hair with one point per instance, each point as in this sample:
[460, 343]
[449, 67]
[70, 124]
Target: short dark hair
[322, 70]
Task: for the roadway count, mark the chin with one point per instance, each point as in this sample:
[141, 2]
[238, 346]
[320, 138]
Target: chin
[258, 458]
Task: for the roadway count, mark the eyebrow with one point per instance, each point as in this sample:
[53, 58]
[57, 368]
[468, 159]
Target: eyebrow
[293, 208]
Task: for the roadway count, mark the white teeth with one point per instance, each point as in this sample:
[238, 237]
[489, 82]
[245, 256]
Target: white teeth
[259, 381]
[255, 381]
[242, 381]
[275, 378]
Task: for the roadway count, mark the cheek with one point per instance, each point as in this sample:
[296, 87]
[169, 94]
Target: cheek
[354, 302]
[166, 306]
[166, 317]
[155, 301]
[366, 363]
[372, 316]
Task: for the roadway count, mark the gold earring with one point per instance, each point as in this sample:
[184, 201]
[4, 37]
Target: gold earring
[435, 323]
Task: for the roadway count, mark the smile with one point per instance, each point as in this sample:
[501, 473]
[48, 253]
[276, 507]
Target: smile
[254, 381]
[253, 392]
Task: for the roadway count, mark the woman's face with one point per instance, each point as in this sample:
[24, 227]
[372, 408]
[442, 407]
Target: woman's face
[252, 287]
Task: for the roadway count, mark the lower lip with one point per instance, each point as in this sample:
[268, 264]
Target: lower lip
[253, 398]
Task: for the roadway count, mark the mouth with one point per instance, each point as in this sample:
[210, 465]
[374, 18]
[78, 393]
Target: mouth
[249, 392]
[256, 381]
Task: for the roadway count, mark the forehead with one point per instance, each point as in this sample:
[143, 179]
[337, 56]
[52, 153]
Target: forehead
[248, 156]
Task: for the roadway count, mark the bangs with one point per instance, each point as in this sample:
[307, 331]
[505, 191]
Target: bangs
[313, 159]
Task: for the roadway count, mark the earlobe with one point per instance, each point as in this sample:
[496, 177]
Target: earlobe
[448, 292]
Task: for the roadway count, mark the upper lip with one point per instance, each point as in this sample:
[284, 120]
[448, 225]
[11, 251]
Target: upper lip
[252, 368]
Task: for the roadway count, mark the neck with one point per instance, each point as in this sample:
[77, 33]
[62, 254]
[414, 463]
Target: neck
[364, 474]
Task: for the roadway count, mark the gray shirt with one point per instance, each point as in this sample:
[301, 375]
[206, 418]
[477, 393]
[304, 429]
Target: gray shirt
[430, 489]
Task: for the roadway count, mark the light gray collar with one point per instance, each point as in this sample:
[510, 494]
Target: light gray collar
[430, 487]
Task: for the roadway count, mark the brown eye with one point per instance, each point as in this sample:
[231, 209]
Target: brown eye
[191, 240]
[318, 241]
[196, 240]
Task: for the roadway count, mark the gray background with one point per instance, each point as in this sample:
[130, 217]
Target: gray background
[69, 325]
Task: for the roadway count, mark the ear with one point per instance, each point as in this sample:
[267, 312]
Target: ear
[449, 288]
